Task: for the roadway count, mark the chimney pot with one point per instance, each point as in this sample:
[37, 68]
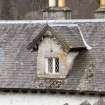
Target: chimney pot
[102, 3]
[100, 12]
[52, 3]
[61, 3]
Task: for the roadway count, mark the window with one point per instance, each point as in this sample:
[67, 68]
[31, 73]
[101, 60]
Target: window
[52, 65]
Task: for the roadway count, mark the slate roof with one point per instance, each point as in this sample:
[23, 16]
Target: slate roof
[71, 35]
[18, 64]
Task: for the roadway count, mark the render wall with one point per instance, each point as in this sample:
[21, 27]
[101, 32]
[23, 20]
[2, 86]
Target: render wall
[44, 99]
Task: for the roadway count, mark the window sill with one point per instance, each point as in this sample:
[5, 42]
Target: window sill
[50, 75]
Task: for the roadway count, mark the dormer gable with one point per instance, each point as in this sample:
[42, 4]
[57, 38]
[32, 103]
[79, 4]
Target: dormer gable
[68, 37]
[57, 47]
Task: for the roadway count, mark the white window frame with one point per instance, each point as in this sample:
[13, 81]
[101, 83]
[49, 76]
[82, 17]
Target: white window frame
[53, 65]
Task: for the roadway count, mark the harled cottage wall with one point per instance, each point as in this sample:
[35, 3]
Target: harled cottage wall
[43, 99]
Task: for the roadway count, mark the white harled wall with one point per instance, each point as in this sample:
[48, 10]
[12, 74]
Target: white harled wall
[44, 99]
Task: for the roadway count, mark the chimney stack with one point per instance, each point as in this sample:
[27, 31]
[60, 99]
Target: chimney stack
[57, 10]
[100, 12]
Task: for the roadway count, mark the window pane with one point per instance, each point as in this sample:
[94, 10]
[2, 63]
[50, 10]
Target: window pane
[46, 65]
[56, 64]
[50, 65]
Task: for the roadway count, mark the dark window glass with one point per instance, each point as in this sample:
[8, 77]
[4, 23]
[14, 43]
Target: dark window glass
[57, 65]
[50, 65]
[53, 65]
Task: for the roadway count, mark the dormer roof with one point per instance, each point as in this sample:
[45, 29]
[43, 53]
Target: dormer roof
[68, 36]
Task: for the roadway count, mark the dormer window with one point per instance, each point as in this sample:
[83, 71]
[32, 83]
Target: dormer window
[57, 47]
[52, 65]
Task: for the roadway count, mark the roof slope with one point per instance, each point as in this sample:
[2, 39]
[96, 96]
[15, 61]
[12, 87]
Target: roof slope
[71, 35]
[18, 64]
